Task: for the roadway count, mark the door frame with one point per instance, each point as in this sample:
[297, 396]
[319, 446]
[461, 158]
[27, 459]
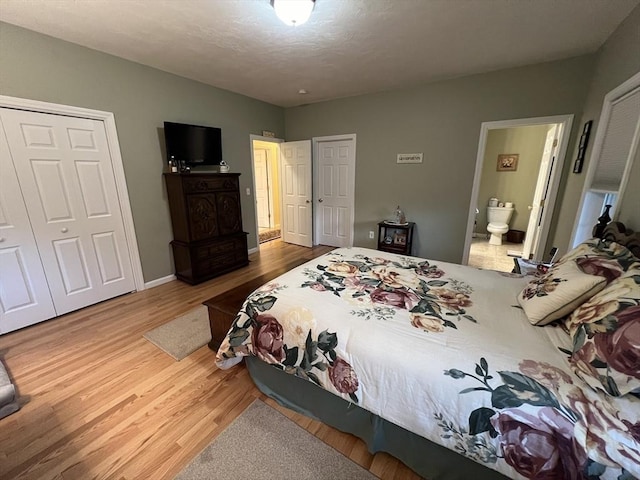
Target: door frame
[262, 138]
[567, 122]
[116, 161]
[315, 141]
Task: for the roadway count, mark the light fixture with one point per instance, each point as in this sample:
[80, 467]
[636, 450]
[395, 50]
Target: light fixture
[293, 12]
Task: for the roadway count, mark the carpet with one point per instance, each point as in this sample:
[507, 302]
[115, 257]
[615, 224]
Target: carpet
[262, 443]
[184, 335]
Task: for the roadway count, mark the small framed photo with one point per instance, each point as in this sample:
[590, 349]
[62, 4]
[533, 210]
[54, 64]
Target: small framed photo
[507, 162]
[400, 238]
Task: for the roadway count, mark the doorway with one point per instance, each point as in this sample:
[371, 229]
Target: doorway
[283, 189]
[525, 188]
[267, 192]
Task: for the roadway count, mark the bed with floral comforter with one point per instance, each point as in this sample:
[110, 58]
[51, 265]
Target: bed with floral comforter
[446, 352]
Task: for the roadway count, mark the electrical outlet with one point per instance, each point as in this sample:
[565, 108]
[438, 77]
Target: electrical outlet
[371, 234]
[248, 190]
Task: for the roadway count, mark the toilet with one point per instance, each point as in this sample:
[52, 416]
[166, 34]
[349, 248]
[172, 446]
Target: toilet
[498, 223]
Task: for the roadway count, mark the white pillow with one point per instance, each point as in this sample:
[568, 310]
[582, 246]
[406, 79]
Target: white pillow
[558, 292]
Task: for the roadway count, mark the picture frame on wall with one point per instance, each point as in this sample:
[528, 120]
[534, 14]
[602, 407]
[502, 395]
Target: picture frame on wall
[507, 162]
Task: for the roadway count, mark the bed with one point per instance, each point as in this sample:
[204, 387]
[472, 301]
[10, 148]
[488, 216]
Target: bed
[439, 364]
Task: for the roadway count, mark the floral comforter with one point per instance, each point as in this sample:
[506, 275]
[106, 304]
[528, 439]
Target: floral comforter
[444, 351]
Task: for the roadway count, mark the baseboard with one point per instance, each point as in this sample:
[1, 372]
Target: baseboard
[253, 250]
[159, 281]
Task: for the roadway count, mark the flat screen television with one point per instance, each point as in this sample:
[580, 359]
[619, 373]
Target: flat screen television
[193, 145]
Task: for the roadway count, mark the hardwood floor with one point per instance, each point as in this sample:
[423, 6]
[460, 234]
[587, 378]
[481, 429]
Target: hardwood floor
[99, 401]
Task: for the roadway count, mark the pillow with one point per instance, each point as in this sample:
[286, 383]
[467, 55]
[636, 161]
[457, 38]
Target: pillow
[606, 337]
[601, 257]
[558, 292]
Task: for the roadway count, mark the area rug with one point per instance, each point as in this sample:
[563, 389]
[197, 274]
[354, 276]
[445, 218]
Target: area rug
[184, 335]
[262, 443]
[269, 235]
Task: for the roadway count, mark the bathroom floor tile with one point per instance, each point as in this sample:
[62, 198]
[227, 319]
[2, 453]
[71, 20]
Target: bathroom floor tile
[492, 257]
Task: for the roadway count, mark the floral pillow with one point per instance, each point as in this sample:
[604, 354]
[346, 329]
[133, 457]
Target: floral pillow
[601, 257]
[606, 337]
[557, 293]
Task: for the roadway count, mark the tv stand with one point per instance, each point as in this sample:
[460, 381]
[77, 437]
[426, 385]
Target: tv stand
[207, 224]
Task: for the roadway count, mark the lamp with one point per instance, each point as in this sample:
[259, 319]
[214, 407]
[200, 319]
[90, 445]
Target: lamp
[293, 12]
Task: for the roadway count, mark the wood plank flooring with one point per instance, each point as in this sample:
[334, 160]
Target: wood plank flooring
[99, 401]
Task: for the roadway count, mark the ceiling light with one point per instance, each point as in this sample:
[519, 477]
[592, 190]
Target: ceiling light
[302, 91]
[293, 12]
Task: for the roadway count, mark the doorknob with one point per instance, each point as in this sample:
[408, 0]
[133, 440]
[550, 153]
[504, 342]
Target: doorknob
[320, 200]
[530, 207]
[308, 201]
[64, 229]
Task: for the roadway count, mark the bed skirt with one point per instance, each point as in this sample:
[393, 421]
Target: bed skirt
[426, 458]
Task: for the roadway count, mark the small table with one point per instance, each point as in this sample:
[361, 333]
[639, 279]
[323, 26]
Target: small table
[395, 237]
[530, 267]
[224, 308]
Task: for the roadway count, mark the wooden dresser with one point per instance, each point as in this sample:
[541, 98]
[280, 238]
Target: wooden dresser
[207, 224]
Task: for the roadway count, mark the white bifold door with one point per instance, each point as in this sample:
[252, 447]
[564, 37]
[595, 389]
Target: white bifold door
[63, 244]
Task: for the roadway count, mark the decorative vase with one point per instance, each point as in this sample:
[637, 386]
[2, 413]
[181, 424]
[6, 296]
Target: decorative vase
[400, 216]
[603, 219]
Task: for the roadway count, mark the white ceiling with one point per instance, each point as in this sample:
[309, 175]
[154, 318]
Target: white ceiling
[348, 47]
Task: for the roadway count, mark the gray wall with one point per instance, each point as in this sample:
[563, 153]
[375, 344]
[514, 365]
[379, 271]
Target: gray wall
[442, 120]
[42, 68]
[517, 186]
[617, 60]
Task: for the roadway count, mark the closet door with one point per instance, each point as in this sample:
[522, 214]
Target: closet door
[64, 169]
[24, 294]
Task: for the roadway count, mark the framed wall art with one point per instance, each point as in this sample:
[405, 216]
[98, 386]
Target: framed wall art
[507, 162]
[582, 147]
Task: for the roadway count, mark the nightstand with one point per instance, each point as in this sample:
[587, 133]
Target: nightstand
[530, 267]
[395, 238]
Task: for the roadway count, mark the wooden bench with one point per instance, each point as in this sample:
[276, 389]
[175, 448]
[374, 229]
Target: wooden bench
[224, 308]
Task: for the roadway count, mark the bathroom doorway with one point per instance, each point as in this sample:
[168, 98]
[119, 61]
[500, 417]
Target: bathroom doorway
[524, 187]
[266, 174]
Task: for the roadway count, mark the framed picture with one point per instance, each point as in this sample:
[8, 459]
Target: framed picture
[507, 162]
[400, 238]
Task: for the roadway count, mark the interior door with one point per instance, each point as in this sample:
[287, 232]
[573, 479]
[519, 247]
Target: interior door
[24, 294]
[64, 168]
[335, 192]
[537, 207]
[263, 198]
[295, 184]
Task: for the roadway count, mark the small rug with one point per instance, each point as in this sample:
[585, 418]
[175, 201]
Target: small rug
[262, 443]
[184, 335]
[269, 235]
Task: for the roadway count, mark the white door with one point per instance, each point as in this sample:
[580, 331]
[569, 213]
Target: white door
[537, 210]
[263, 198]
[24, 294]
[64, 168]
[295, 185]
[335, 180]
